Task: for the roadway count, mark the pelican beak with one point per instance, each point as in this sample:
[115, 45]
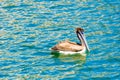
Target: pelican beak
[80, 33]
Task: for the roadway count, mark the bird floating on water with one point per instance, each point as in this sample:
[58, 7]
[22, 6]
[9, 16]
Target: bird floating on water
[67, 47]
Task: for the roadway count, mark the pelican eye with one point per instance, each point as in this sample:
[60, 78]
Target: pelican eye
[82, 32]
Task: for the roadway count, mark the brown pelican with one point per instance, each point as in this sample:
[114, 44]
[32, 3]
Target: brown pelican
[67, 47]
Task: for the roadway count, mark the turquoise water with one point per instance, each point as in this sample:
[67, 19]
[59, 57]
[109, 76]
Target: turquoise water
[28, 28]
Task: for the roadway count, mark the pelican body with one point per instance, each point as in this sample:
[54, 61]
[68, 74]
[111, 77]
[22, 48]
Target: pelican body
[67, 47]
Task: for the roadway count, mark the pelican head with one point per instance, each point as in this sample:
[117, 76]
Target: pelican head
[81, 37]
[79, 29]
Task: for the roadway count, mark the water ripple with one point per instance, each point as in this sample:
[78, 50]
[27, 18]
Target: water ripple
[28, 29]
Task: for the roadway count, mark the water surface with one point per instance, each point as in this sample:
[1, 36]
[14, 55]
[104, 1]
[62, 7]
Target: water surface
[28, 28]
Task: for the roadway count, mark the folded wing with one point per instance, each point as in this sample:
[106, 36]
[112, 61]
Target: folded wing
[67, 46]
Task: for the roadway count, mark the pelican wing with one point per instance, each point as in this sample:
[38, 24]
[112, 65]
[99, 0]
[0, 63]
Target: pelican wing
[67, 46]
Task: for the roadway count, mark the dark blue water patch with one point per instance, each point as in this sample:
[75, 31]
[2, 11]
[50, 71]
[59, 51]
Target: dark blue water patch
[25, 5]
[110, 1]
[1, 17]
[10, 38]
[116, 53]
[40, 53]
[13, 50]
[113, 59]
[9, 28]
[117, 77]
[31, 25]
[9, 7]
[100, 78]
[26, 47]
[2, 75]
[46, 13]
[1, 28]
[116, 28]
[5, 38]
[23, 18]
[91, 3]
[57, 29]
[48, 72]
[7, 63]
[26, 16]
[3, 46]
[18, 32]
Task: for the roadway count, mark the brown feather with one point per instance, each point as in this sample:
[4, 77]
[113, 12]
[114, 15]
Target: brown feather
[68, 46]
